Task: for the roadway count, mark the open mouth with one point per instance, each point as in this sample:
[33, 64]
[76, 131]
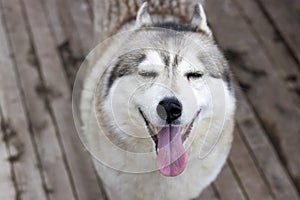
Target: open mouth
[171, 156]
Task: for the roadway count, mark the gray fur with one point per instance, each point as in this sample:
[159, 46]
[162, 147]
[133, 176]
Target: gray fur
[126, 64]
[165, 56]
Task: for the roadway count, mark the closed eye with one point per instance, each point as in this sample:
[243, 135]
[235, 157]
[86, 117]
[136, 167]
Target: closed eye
[193, 75]
[146, 74]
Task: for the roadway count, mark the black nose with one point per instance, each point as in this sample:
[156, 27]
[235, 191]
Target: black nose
[169, 109]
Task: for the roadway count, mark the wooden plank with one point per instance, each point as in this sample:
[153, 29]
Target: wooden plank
[79, 12]
[266, 91]
[51, 8]
[207, 194]
[90, 4]
[227, 186]
[70, 50]
[83, 22]
[6, 175]
[275, 48]
[14, 124]
[6, 183]
[79, 160]
[263, 151]
[294, 8]
[72, 34]
[58, 183]
[246, 170]
[285, 22]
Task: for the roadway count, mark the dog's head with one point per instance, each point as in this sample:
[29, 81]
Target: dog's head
[167, 79]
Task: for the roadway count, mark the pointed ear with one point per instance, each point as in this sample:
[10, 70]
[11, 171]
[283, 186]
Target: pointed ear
[143, 17]
[199, 21]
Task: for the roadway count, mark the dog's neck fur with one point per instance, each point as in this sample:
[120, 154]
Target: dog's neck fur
[111, 15]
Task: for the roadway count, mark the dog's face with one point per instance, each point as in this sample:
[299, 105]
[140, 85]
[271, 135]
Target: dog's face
[161, 86]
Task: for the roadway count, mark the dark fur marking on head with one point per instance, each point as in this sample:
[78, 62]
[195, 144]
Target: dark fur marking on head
[223, 73]
[165, 58]
[126, 65]
[181, 27]
[177, 60]
[225, 76]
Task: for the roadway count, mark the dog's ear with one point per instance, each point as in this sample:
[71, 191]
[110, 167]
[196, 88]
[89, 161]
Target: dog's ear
[199, 21]
[143, 18]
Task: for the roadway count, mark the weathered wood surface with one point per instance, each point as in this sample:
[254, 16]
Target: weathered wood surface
[227, 185]
[6, 175]
[6, 170]
[281, 14]
[43, 43]
[54, 17]
[57, 182]
[248, 174]
[208, 193]
[79, 161]
[28, 179]
[267, 93]
[263, 152]
[282, 61]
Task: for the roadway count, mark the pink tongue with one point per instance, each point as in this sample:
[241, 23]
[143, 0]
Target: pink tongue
[172, 157]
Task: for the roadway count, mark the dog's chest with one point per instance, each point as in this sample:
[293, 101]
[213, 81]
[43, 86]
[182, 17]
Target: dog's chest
[153, 185]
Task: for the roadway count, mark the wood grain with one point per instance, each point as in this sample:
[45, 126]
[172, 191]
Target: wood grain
[282, 61]
[57, 181]
[15, 126]
[283, 19]
[78, 159]
[83, 23]
[267, 93]
[227, 186]
[53, 15]
[266, 157]
[6, 172]
[249, 176]
[207, 194]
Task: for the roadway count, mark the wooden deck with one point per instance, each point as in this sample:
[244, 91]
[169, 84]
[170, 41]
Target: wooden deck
[44, 41]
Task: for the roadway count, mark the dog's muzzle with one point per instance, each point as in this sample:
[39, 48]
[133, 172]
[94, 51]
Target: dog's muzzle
[171, 157]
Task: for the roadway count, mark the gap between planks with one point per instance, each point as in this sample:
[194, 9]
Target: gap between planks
[7, 179]
[283, 62]
[52, 71]
[285, 23]
[17, 130]
[57, 183]
[68, 50]
[254, 69]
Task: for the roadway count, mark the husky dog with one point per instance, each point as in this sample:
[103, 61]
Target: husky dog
[158, 106]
